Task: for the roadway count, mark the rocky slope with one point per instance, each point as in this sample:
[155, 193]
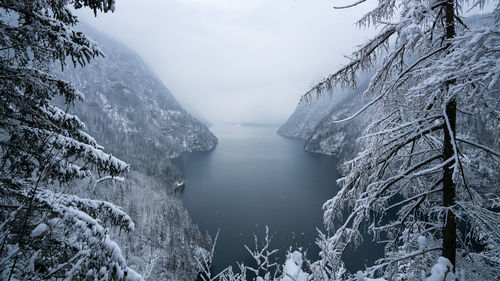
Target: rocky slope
[135, 117]
[339, 139]
[306, 116]
[131, 112]
[315, 122]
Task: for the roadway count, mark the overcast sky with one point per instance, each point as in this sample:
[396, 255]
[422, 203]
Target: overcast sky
[236, 60]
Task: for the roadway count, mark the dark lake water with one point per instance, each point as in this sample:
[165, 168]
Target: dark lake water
[256, 178]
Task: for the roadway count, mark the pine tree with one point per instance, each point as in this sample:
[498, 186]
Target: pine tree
[45, 234]
[414, 184]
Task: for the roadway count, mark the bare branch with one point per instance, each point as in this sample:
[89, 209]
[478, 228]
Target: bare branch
[480, 146]
[349, 6]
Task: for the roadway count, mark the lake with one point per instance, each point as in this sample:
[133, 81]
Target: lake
[255, 178]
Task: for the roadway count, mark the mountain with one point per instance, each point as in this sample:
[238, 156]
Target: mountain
[339, 139]
[135, 117]
[129, 110]
[315, 122]
[306, 116]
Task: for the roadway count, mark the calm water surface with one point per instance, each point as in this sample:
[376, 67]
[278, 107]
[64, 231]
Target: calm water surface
[256, 178]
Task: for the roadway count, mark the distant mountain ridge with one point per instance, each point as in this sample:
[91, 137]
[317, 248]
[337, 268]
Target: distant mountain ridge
[306, 116]
[129, 110]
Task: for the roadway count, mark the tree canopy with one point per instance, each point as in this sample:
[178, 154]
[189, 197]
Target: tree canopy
[46, 234]
[415, 184]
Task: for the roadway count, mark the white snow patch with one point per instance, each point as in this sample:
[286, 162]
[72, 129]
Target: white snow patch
[443, 268]
[422, 243]
[39, 230]
[292, 271]
[133, 276]
[361, 277]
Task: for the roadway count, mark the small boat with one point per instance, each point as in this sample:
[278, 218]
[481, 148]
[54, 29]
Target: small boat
[178, 184]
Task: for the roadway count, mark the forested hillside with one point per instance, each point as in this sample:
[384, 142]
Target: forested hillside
[70, 209]
[130, 111]
[45, 234]
[135, 117]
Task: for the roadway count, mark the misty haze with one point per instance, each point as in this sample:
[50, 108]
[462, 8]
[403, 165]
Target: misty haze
[232, 140]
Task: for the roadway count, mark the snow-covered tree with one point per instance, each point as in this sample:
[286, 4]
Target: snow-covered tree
[415, 182]
[44, 234]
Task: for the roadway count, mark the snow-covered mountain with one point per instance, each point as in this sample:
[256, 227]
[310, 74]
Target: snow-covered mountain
[339, 139]
[135, 117]
[130, 111]
[315, 122]
[306, 116]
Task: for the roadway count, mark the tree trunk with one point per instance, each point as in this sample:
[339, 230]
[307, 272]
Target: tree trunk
[449, 227]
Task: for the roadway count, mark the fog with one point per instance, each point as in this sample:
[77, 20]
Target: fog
[236, 60]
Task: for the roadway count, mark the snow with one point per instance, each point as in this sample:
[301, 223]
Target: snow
[496, 75]
[161, 123]
[422, 243]
[39, 230]
[360, 277]
[476, 38]
[443, 268]
[292, 271]
[132, 275]
[105, 178]
[33, 258]
[114, 249]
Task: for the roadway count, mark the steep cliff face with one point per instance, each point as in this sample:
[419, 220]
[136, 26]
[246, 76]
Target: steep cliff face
[306, 116]
[129, 110]
[315, 122]
[339, 139]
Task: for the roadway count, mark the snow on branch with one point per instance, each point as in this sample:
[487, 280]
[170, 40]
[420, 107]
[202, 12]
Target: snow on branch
[364, 58]
[480, 146]
[105, 178]
[262, 256]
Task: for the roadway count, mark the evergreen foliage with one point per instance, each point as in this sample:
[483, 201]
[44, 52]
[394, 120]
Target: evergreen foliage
[46, 234]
